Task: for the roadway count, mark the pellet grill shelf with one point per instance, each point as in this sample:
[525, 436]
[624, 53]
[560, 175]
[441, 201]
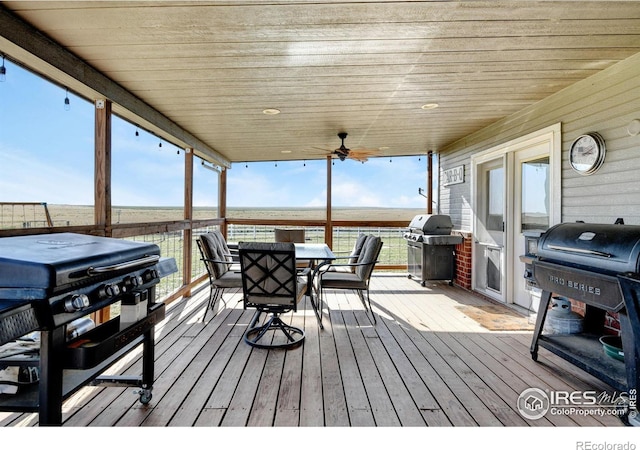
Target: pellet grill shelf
[585, 351]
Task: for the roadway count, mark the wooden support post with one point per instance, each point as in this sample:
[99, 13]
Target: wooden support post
[187, 241]
[430, 182]
[102, 182]
[222, 200]
[328, 228]
[102, 192]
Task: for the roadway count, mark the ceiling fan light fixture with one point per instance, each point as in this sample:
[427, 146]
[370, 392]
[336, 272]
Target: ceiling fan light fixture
[428, 106]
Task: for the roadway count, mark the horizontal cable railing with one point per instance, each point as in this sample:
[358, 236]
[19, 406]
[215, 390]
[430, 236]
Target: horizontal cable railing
[394, 250]
[170, 237]
[171, 246]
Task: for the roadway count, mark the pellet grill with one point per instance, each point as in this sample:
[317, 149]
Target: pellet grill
[599, 265]
[48, 282]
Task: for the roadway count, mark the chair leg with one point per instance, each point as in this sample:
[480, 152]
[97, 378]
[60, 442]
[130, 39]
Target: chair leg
[369, 308]
[252, 336]
[316, 305]
[214, 295]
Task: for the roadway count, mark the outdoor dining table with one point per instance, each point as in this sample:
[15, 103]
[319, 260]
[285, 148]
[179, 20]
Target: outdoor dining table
[317, 255]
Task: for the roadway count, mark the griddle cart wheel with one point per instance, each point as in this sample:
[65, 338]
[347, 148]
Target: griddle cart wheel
[145, 396]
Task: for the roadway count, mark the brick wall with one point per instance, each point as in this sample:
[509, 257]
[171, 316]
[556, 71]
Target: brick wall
[611, 323]
[463, 260]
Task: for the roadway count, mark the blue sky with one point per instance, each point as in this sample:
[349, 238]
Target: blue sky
[47, 156]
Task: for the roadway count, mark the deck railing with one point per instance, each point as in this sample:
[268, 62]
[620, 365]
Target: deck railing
[394, 250]
[176, 239]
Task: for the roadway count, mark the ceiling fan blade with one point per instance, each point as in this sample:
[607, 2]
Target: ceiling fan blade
[366, 151]
[357, 157]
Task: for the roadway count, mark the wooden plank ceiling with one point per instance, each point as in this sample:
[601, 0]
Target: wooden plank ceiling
[364, 67]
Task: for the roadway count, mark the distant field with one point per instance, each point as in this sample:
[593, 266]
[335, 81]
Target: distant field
[31, 216]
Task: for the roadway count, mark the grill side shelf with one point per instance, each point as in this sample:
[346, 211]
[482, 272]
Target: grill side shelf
[16, 319]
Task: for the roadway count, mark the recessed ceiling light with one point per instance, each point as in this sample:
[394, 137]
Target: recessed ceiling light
[430, 106]
[271, 111]
[285, 151]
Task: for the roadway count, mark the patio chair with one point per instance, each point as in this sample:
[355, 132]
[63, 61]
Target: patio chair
[358, 273]
[352, 257]
[222, 267]
[289, 235]
[271, 284]
[292, 235]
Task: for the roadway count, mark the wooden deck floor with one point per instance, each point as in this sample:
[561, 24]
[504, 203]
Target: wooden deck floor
[423, 364]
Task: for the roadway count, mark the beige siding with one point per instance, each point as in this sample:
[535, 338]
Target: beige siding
[606, 103]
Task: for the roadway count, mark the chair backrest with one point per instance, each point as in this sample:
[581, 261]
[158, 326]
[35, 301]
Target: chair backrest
[269, 275]
[214, 246]
[357, 249]
[289, 235]
[368, 257]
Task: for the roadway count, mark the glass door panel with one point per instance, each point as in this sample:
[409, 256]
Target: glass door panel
[535, 195]
[490, 228]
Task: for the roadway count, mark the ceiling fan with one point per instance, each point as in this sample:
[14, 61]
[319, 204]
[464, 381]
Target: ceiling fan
[359, 154]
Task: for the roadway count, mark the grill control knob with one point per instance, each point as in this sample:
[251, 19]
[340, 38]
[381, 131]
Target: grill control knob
[150, 275]
[133, 281]
[76, 302]
[108, 291]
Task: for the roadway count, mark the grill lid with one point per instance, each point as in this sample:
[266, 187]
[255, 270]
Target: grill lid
[604, 248]
[431, 224]
[39, 264]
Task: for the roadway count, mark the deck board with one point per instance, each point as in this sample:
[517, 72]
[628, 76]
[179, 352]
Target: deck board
[424, 363]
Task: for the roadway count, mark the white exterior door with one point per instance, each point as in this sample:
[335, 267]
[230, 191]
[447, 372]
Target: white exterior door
[531, 212]
[516, 192]
[489, 239]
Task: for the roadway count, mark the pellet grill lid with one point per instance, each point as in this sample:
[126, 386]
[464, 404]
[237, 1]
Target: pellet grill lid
[604, 248]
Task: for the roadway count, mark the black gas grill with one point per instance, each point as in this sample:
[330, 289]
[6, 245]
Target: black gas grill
[598, 264]
[49, 282]
[431, 248]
